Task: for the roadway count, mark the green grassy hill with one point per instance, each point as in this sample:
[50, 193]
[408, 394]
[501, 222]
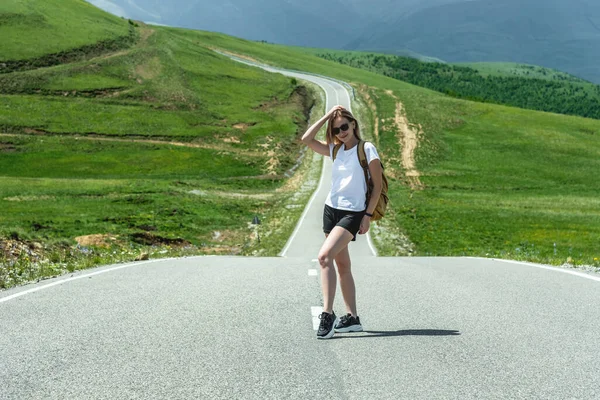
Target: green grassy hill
[31, 28]
[165, 147]
[162, 145]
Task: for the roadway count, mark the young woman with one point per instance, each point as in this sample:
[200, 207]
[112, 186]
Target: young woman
[346, 212]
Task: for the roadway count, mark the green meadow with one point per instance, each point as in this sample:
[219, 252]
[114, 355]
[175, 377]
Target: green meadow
[33, 29]
[162, 147]
[165, 147]
[510, 183]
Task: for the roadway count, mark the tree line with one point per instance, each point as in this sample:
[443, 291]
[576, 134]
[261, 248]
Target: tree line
[559, 96]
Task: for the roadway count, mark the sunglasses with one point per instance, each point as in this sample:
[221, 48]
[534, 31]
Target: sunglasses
[343, 128]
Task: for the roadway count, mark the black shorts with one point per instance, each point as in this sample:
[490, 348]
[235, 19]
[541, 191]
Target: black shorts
[349, 220]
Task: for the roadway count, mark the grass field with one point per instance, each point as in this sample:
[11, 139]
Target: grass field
[34, 28]
[161, 148]
[167, 148]
[510, 184]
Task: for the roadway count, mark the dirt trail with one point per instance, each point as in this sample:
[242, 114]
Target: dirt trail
[364, 91]
[230, 53]
[409, 140]
[149, 141]
[145, 33]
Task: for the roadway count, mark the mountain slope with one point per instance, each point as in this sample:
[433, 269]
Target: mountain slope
[30, 28]
[161, 147]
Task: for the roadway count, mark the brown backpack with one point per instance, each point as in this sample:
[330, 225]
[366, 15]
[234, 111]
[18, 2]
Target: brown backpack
[362, 159]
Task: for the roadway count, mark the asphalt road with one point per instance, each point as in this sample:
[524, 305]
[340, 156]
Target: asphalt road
[243, 328]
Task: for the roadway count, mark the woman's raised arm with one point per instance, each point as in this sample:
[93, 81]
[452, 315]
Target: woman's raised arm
[309, 136]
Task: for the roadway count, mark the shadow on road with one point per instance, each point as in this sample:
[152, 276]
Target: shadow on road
[404, 332]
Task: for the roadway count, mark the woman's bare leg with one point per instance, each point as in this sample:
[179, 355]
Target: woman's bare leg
[335, 242]
[342, 260]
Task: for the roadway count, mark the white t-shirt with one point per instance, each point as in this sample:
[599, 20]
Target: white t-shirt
[348, 187]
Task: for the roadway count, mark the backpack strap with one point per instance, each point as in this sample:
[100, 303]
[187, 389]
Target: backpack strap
[362, 156]
[362, 160]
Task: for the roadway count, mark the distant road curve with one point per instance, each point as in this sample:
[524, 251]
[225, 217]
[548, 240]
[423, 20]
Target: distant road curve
[308, 236]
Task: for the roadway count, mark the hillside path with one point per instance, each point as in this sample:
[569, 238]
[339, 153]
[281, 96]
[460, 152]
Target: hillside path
[408, 136]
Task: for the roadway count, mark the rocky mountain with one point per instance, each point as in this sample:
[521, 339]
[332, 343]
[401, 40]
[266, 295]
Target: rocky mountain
[559, 34]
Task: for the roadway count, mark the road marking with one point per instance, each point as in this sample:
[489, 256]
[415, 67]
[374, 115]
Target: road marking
[312, 272]
[337, 96]
[370, 243]
[36, 289]
[566, 271]
[303, 216]
[314, 195]
[331, 85]
[315, 312]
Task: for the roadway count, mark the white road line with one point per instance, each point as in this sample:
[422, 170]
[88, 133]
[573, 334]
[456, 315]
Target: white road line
[329, 83]
[370, 242]
[315, 312]
[303, 216]
[312, 198]
[565, 271]
[312, 272]
[60, 282]
[337, 96]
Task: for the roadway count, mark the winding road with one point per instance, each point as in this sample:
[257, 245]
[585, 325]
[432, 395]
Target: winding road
[243, 328]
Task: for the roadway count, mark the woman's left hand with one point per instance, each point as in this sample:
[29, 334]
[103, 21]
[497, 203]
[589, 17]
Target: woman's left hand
[365, 225]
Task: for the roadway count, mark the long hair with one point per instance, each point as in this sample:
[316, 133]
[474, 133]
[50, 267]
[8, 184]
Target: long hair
[344, 114]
